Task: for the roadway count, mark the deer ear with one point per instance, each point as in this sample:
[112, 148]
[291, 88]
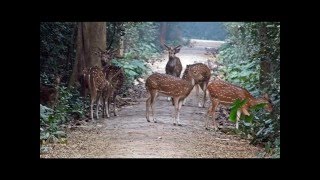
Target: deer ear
[166, 46]
[177, 49]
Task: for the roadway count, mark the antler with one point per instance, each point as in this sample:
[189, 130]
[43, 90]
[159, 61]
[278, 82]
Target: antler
[166, 46]
[114, 50]
[177, 46]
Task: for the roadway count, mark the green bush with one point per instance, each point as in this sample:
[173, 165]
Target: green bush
[50, 120]
[141, 44]
[133, 68]
[241, 56]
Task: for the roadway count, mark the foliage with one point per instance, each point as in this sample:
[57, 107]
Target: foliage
[235, 107]
[141, 39]
[49, 130]
[242, 54]
[133, 68]
[56, 40]
[50, 120]
[141, 44]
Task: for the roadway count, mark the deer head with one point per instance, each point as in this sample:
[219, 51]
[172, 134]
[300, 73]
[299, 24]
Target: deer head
[173, 50]
[105, 55]
[192, 74]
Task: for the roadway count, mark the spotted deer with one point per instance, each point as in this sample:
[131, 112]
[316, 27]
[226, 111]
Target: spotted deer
[173, 66]
[171, 86]
[97, 85]
[203, 82]
[49, 95]
[224, 93]
[115, 75]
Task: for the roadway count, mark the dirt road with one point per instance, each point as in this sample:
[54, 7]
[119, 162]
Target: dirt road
[130, 135]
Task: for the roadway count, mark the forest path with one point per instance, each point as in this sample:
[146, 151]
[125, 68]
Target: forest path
[130, 135]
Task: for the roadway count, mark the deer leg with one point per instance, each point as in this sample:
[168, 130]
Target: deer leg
[97, 104]
[103, 106]
[211, 112]
[91, 109]
[178, 115]
[148, 108]
[107, 104]
[114, 104]
[204, 88]
[93, 97]
[238, 117]
[154, 95]
[176, 107]
[198, 95]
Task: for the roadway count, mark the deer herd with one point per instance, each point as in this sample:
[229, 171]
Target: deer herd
[105, 83]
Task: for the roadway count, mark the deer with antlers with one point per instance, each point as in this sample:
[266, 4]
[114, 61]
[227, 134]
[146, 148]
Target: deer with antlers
[113, 74]
[225, 93]
[173, 66]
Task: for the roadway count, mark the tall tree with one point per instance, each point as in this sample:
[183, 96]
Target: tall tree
[91, 36]
[265, 63]
[163, 33]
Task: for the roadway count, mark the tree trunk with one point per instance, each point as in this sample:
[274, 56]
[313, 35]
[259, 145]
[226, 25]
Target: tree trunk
[265, 70]
[163, 33]
[176, 33]
[265, 64]
[121, 47]
[71, 47]
[90, 37]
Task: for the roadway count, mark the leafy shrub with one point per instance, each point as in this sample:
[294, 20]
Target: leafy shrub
[50, 120]
[241, 55]
[141, 44]
[133, 68]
